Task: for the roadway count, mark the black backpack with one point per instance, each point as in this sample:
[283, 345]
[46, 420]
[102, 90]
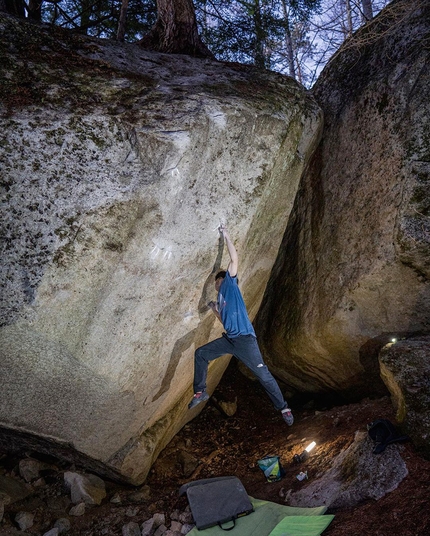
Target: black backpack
[383, 432]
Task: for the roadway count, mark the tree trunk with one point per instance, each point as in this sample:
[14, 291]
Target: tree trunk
[288, 42]
[367, 10]
[84, 21]
[260, 38]
[347, 27]
[122, 20]
[35, 10]
[15, 7]
[175, 30]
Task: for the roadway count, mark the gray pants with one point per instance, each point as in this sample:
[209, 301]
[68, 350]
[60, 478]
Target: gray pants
[245, 348]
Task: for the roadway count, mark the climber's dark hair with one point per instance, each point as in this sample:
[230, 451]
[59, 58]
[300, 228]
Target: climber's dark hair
[221, 273]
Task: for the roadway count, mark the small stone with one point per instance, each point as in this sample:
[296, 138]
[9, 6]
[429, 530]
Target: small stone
[63, 525]
[175, 515]
[188, 463]
[86, 488]
[159, 519]
[147, 527]
[78, 510]
[175, 526]
[186, 517]
[52, 532]
[131, 529]
[160, 531]
[13, 490]
[116, 499]
[187, 527]
[25, 520]
[229, 408]
[30, 469]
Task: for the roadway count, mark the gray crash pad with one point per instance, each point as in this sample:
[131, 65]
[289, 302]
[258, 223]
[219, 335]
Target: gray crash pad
[217, 501]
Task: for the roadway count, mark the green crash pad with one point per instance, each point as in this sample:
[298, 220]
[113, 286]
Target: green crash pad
[301, 526]
[272, 519]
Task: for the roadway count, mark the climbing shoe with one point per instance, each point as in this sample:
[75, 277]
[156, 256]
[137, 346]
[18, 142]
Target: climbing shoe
[197, 398]
[287, 416]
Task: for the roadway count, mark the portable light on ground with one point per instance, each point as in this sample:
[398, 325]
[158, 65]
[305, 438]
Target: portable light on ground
[310, 447]
[299, 458]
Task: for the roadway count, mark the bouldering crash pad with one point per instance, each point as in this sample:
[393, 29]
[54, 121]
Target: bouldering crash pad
[214, 501]
[272, 519]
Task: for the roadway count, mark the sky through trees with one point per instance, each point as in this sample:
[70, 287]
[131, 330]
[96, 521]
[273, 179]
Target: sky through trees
[294, 37]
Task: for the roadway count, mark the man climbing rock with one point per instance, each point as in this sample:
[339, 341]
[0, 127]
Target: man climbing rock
[239, 338]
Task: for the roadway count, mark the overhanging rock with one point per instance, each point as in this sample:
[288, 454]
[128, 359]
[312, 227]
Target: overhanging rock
[354, 264]
[118, 167]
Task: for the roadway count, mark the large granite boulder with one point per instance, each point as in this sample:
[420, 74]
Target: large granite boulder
[118, 165]
[354, 266]
[405, 369]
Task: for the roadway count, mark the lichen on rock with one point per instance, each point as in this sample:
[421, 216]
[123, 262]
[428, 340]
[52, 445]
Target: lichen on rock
[119, 166]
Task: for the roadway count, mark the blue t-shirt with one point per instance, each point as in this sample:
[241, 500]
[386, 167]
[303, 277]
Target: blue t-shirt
[232, 309]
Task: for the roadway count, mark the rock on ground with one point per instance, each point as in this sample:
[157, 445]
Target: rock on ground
[405, 369]
[356, 475]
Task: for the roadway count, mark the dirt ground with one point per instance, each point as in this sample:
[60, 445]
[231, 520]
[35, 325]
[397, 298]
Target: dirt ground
[232, 446]
[216, 445]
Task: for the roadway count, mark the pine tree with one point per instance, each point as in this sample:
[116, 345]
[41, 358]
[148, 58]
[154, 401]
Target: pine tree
[175, 30]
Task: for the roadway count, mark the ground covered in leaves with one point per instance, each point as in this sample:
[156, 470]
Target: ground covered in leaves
[216, 445]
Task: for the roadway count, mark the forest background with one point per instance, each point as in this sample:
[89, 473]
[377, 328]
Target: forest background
[293, 37]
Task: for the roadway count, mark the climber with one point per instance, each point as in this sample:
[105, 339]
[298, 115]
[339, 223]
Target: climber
[239, 338]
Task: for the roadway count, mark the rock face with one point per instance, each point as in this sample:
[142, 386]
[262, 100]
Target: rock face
[354, 265]
[405, 369]
[356, 475]
[118, 166]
